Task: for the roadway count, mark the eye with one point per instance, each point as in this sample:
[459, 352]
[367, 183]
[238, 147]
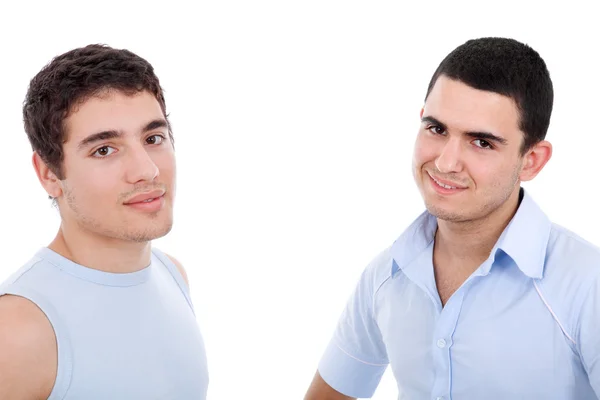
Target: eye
[483, 144]
[155, 139]
[436, 129]
[103, 152]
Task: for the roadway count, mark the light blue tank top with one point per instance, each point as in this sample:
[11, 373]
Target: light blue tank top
[120, 336]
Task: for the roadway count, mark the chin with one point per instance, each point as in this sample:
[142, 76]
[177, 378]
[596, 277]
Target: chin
[146, 235]
[447, 213]
[145, 232]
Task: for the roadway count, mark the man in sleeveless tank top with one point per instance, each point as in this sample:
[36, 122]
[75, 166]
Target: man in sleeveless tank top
[100, 313]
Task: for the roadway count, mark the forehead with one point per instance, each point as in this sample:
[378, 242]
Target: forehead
[464, 108]
[112, 110]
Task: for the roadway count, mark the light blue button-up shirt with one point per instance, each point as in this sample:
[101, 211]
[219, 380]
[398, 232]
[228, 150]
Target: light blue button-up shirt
[525, 324]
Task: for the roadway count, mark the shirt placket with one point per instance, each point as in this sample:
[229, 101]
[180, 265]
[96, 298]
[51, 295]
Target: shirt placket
[442, 341]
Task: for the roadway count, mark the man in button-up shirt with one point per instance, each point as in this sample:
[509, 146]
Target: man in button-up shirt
[482, 296]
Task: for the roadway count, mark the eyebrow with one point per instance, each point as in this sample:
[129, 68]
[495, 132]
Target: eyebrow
[474, 134]
[115, 134]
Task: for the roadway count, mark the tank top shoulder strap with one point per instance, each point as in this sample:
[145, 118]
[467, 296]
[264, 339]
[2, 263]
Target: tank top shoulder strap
[174, 271]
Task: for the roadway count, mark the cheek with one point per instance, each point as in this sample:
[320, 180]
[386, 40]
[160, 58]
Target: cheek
[95, 187]
[425, 150]
[166, 165]
[490, 171]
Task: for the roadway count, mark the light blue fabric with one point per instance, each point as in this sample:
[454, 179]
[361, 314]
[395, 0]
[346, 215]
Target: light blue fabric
[525, 324]
[119, 336]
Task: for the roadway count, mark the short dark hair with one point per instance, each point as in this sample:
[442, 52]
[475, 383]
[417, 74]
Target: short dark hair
[510, 68]
[72, 78]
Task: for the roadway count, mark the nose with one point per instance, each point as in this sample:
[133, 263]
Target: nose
[140, 166]
[449, 160]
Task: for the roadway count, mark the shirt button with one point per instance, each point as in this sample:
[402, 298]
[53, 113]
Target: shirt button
[441, 343]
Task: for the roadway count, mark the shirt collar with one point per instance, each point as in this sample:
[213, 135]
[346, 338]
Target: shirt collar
[525, 239]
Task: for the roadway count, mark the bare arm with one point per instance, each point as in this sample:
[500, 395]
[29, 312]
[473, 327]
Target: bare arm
[28, 350]
[320, 390]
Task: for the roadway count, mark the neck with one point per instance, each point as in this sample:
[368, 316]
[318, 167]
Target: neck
[100, 252]
[474, 240]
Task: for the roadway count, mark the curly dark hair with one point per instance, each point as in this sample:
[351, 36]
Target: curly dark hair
[510, 68]
[72, 78]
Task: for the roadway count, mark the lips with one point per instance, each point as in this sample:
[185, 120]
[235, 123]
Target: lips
[145, 197]
[446, 184]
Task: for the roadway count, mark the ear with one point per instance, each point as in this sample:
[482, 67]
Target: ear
[535, 159]
[47, 178]
[422, 110]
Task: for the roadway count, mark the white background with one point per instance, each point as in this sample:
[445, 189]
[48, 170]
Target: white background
[294, 125]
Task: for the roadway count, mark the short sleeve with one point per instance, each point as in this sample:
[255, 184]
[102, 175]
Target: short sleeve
[355, 358]
[589, 335]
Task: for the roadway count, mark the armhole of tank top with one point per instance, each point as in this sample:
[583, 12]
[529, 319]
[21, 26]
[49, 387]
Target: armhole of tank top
[64, 353]
[174, 271]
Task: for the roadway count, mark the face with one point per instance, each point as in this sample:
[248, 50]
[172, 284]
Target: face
[119, 168]
[467, 161]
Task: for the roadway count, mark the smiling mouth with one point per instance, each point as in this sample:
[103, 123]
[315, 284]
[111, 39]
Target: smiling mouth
[444, 185]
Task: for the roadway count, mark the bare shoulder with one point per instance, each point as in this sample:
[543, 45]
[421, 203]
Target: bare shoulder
[180, 268]
[28, 350]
